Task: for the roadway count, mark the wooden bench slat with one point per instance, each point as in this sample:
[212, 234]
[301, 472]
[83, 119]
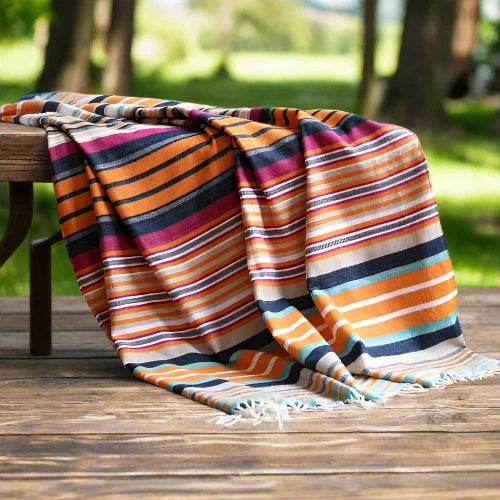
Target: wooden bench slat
[23, 154]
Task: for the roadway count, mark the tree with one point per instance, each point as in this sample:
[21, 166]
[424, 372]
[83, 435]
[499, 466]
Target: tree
[67, 54]
[367, 98]
[117, 73]
[416, 92]
[18, 18]
[465, 39]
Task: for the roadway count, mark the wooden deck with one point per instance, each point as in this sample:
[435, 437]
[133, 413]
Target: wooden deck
[77, 424]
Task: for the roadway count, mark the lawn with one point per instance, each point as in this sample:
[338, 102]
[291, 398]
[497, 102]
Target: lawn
[463, 159]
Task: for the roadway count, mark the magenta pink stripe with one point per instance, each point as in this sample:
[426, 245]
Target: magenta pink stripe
[88, 258]
[65, 149]
[190, 223]
[118, 242]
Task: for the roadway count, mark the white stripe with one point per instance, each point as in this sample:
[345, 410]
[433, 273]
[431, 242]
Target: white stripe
[302, 337]
[407, 310]
[395, 293]
[284, 331]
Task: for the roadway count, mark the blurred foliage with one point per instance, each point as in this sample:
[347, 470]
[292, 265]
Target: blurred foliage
[488, 52]
[284, 55]
[17, 17]
[280, 25]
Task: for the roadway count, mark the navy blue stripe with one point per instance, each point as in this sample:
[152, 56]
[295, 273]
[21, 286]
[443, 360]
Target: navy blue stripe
[84, 244]
[178, 388]
[176, 180]
[260, 341]
[133, 145]
[175, 211]
[301, 303]
[315, 355]
[311, 127]
[378, 265]
[414, 344]
[286, 149]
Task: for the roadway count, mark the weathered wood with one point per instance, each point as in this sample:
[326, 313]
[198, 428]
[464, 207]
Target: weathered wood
[20, 216]
[93, 343]
[41, 294]
[83, 368]
[60, 321]
[487, 318]
[69, 394]
[70, 345]
[468, 296]
[215, 454]
[23, 154]
[48, 367]
[113, 420]
[373, 486]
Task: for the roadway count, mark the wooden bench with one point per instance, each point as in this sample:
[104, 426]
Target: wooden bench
[23, 161]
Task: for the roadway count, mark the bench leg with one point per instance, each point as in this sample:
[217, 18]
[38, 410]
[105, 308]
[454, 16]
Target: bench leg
[41, 295]
[20, 215]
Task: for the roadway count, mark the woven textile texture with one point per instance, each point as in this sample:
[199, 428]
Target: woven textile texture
[258, 261]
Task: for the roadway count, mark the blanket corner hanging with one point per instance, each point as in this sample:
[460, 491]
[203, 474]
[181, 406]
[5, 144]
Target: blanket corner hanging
[256, 260]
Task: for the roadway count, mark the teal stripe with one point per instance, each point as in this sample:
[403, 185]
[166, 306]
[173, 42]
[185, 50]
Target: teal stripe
[306, 350]
[352, 285]
[405, 334]
[415, 331]
[280, 314]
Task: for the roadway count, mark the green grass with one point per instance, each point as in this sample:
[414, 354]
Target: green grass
[463, 159]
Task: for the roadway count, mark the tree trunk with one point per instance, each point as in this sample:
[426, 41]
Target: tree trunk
[465, 38]
[67, 54]
[225, 38]
[416, 92]
[117, 74]
[367, 98]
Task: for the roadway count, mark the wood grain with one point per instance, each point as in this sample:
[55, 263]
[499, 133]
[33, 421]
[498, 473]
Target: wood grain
[482, 485]
[23, 154]
[78, 424]
[253, 453]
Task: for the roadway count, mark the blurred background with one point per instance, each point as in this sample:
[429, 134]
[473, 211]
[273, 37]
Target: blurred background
[433, 66]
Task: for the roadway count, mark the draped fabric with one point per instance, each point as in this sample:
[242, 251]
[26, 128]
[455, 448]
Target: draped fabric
[256, 260]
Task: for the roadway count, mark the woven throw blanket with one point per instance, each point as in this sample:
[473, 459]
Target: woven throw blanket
[256, 260]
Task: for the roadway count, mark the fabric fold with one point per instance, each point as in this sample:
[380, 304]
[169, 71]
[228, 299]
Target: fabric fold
[256, 260]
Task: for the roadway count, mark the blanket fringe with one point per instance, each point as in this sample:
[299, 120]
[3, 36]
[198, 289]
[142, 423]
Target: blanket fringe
[256, 412]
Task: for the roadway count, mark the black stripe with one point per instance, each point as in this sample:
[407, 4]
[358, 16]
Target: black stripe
[415, 344]
[175, 180]
[377, 265]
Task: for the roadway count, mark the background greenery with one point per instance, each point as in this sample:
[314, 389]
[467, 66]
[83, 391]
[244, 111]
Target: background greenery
[181, 63]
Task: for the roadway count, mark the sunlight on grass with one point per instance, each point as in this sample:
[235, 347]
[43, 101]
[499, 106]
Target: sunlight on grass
[21, 61]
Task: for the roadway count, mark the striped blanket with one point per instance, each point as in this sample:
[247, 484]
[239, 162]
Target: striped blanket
[258, 261]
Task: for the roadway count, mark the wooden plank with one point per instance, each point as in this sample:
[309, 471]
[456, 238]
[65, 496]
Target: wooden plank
[88, 344]
[16, 305]
[248, 454]
[468, 297]
[23, 154]
[75, 321]
[76, 344]
[484, 318]
[479, 296]
[71, 394]
[113, 420]
[374, 486]
[81, 368]
[48, 367]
